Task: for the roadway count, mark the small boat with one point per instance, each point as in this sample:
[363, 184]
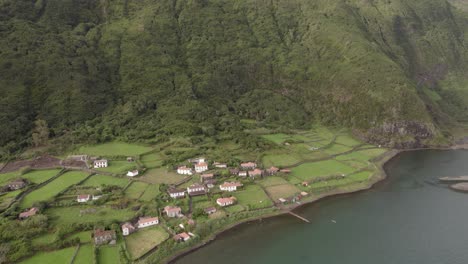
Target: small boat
[333, 221]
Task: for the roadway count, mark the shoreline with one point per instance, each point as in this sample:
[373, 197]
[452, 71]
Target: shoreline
[379, 176]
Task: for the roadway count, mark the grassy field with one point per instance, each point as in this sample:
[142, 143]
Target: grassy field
[282, 191]
[347, 140]
[98, 180]
[253, 197]
[85, 255]
[6, 177]
[136, 189]
[161, 175]
[152, 160]
[150, 193]
[234, 208]
[55, 257]
[44, 239]
[336, 149]
[53, 188]
[281, 160]
[39, 176]
[271, 181]
[114, 149]
[7, 198]
[308, 171]
[145, 239]
[279, 138]
[70, 215]
[84, 236]
[118, 166]
[354, 178]
[109, 254]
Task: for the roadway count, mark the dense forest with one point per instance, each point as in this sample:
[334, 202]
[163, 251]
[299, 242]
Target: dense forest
[92, 71]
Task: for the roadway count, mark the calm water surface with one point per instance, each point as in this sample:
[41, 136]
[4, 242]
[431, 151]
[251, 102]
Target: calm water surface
[409, 218]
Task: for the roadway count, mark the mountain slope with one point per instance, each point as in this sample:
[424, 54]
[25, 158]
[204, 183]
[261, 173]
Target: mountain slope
[394, 71]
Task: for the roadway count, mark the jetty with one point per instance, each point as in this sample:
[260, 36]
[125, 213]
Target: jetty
[454, 179]
[300, 217]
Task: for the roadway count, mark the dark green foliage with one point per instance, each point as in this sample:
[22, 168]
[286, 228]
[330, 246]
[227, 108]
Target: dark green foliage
[134, 70]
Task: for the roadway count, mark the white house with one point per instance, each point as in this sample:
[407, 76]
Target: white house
[132, 173]
[127, 229]
[225, 201]
[83, 198]
[196, 189]
[230, 186]
[184, 170]
[172, 211]
[220, 165]
[96, 197]
[147, 221]
[100, 163]
[176, 193]
[248, 165]
[242, 173]
[201, 167]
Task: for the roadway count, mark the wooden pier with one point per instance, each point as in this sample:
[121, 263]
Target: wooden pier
[300, 217]
[454, 179]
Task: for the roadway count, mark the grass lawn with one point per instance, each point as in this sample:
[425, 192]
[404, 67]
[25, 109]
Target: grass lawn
[7, 198]
[281, 160]
[54, 257]
[347, 140]
[282, 191]
[136, 189]
[53, 188]
[39, 176]
[114, 149]
[98, 180]
[253, 197]
[161, 175]
[336, 149]
[72, 215]
[118, 166]
[312, 170]
[43, 239]
[354, 178]
[84, 236]
[152, 160]
[6, 177]
[150, 193]
[109, 254]
[277, 138]
[234, 208]
[145, 239]
[273, 180]
[85, 255]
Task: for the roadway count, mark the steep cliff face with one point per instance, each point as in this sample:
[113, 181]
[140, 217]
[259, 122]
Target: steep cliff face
[393, 70]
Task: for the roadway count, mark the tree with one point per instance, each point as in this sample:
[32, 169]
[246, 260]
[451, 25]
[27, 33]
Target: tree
[40, 135]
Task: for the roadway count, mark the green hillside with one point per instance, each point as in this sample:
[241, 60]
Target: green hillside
[394, 71]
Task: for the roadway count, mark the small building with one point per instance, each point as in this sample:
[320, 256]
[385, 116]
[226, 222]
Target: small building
[79, 157]
[147, 221]
[210, 183]
[130, 159]
[272, 171]
[220, 165]
[230, 186]
[176, 193]
[285, 171]
[104, 236]
[226, 201]
[32, 211]
[132, 173]
[100, 163]
[210, 210]
[282, 200]
[243, 174]
[196, 189]
[305, 184]
[172, 211]
[197, 160]
[184, 170]
[255, 173]
[304, 193]
[201, 167]
[96, 197]
[234, 171]
[248, 165]
[83, 198]
[206, 176]
[17, 184]
[182, 237]
[127, 229]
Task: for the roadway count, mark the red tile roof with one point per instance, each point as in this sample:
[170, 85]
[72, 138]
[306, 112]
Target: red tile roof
[83, 196]
[172, 209]
[231, 184]
[32, 211]
[144, 220]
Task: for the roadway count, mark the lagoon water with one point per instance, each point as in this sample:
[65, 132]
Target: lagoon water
[410, 218]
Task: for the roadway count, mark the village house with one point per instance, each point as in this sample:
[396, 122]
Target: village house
[127, 229]
[242, 173]
[196, 189]
[32, 211]
[132, 173]
[83, 198]
[130, 159]
[176, 193]
[210, 210]
[210, 183]
[17, 184]
[234, 171]
[255, 173]
[100, 163]
[304, 193]
[197, 160]
[248, 165]
[226, 201]
[182, 237]
[230, 186]
[220, 165]
[147, 221]
[305, 184]
[206, 176]
[184, 170]
[172, 211]
[104, 236]
[271, 171]
[201, 167]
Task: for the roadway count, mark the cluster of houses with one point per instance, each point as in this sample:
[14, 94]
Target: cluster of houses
[103, 163]
[128, 228]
